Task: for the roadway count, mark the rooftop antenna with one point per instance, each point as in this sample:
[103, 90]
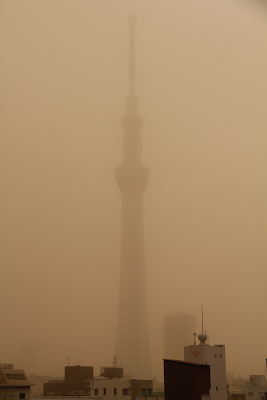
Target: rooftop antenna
[68, 360]
[80, 356]
[202, 315]
[132, 23]
[202, 336]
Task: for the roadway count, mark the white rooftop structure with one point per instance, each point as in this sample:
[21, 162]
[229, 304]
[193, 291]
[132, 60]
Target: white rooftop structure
[213, 356]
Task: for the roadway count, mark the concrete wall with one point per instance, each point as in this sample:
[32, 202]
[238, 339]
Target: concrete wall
[98, 386]
[255, 389]
[215, 357]
[21, 392]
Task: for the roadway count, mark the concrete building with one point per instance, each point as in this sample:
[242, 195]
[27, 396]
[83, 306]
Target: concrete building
[186, 381]
[132, 341]
[37, 383]
[255, 388]
[76, 382]
[213, 356]
[14, 384]
[80, 381]
[178, 332]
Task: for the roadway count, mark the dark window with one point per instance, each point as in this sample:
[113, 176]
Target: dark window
[96, 392]
[104, 391]
[115, 391]
[220, 356]
[217, 388]
[22, 395]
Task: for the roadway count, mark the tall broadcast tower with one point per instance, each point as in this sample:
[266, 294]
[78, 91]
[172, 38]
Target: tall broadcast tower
[132, 345]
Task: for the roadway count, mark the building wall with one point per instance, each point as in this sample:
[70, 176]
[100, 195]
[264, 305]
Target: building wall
[78, 373]
[255, 389]
[125, 388]
[114, 388]
[186, 381]
[21, 393]
[215, 357]
[66, 388]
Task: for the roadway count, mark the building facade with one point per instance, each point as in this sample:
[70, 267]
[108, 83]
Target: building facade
[255, 388]
[132, 342]
[14, 384]
[80, 381]
[186, 381]
[214, 356]
[76, 382]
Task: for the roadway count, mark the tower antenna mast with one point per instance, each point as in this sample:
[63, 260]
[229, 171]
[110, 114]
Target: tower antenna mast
[132, 343]
[132, 23]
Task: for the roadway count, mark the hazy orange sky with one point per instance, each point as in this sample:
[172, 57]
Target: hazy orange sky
[201, 82]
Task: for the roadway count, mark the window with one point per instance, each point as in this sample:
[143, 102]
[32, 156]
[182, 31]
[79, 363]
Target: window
[50, 393]
[104, 392]
[215, 355]
[250, 393]
[220, 356]
[96, 392]
[126, 392]
[217, 388]
[115, 391]
[22, 395]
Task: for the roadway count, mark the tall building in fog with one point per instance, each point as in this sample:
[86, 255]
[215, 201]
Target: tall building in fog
[179, 330]
[132, 343]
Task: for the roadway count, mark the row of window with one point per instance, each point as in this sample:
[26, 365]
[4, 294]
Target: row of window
[125, 392]
[215, 355]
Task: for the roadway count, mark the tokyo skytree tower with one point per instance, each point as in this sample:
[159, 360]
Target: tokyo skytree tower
[132, 344]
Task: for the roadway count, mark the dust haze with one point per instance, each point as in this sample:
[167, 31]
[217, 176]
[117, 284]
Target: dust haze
[201, 81]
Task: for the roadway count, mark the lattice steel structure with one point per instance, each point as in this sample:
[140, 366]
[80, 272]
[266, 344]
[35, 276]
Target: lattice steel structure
[132, 345]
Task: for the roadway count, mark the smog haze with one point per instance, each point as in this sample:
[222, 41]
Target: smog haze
[201, 82]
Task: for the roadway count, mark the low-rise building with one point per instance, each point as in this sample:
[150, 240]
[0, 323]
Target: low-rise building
[14, 384]
[80, 381]
[255, 388]
[76, 382]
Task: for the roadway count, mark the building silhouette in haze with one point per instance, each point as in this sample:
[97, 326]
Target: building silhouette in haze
[179, 329]
[132, 343]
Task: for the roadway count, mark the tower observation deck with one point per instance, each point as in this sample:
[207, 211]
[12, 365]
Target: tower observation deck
[132, 343]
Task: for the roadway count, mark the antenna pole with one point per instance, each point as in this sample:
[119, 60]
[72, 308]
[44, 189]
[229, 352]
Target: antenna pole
[202, 316]
[132, 23]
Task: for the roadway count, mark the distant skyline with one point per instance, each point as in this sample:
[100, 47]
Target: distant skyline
[202, 94]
